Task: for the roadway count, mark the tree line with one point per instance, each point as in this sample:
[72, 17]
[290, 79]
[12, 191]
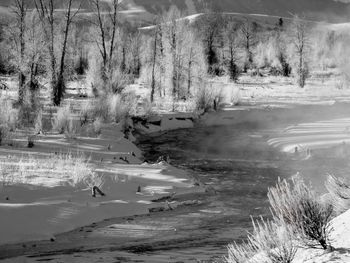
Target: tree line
[174, 58]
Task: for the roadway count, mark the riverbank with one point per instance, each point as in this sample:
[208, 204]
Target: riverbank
[151, 232]
[40, 204]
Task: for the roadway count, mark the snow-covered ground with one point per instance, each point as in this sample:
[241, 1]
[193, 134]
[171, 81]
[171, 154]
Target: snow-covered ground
[340, 238]
[42, 203]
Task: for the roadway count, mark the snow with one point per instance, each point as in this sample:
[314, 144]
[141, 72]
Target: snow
[340, 238]
[45, 204]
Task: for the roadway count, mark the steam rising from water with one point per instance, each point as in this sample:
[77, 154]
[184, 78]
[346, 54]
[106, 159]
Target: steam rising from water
[316, 135]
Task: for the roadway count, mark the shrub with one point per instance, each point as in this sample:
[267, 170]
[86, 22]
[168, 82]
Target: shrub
[81, 65]
[234, 71]
[297, 205]
[207, 98]
[85, 113]
[113, 107]
[63, 119]
[38, 122]
[72, 129]
[94, 74]
[340, 193]
[148, 109]
[98, 123]
[119, 80]
[3, 133]
[31, 141]
[8, 119]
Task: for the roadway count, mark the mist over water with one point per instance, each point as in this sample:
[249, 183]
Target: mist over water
[240, 164]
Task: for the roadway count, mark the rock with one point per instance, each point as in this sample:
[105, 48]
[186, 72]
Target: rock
[156, 209]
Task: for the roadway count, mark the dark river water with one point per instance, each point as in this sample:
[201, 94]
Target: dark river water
[238, 166]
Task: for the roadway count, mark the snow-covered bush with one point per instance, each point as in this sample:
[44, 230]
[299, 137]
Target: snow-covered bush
[270, 241]
[207, 97]
[298, 206]
[64, 123]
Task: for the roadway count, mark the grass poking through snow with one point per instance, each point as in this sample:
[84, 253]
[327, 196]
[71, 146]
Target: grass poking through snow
[55, 170]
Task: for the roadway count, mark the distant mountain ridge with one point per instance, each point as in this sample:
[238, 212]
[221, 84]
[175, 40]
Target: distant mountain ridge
[320, 10]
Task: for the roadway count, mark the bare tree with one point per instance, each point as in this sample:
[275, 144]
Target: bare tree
[60, 87]
[247, 32]
[299, 35]
[154, 60]
[195, 65]
[172, 32]
[34, 55]
[46, 10]
[20, 10]
[172, 25]
[107, 30]
[134, 53]
[210, 28]
[191, 54]
[232, 46]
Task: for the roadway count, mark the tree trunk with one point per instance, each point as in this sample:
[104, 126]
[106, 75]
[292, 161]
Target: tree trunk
[21, 11]
[189, 82]
[153, 84]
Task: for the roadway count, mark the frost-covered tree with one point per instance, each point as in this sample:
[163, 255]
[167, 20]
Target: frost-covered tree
[47, 15]
[210, 27]
[299, 34]
[20, 9]
[233, 45]
[248, 30]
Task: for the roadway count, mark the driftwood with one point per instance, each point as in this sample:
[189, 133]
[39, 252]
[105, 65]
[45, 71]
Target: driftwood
[125, 159]
[3, 86]
[96, 190]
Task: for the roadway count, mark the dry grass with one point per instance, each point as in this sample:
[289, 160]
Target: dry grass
[55, 170]
[274, 239]
[270, 241]
[242, 253]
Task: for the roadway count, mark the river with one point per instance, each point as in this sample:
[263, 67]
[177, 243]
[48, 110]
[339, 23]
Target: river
[238, 165]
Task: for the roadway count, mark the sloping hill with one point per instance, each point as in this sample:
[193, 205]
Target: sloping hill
[329, 10]
[320, 10]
